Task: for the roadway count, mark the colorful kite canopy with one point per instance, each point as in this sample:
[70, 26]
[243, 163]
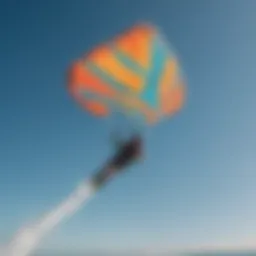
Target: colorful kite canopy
[136, 73]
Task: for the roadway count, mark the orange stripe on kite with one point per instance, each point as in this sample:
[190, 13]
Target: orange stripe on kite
[176, 101]
[136, 44]
[82, 78]
[167, 82]
[96, 108]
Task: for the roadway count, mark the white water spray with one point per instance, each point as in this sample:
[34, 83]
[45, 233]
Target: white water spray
[28, 238]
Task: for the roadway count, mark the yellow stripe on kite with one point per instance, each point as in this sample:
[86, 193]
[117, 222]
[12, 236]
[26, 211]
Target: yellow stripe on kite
[167, 82]
[104, 59]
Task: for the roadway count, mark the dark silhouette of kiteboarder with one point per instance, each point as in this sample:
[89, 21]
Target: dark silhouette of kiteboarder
[127, 153]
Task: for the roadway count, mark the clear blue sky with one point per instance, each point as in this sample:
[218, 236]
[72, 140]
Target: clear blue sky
[197, 185]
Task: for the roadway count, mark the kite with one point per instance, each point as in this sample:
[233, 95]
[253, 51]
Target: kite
[136, 74]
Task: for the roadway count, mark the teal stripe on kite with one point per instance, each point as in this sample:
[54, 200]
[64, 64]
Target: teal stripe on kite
[114, 107]
[99, 98]
[158, 60]
[128, 62]
[108, 78]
